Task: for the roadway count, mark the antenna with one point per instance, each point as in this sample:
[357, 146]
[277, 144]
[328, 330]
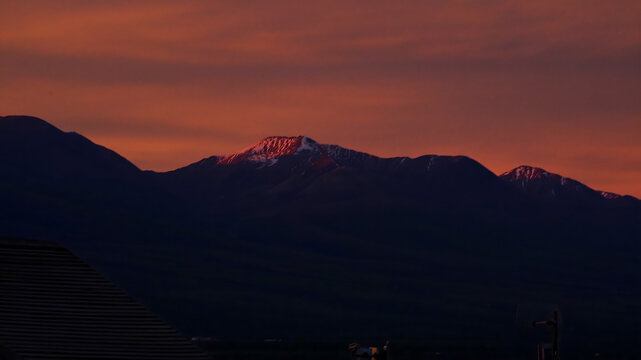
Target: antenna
[540, 323]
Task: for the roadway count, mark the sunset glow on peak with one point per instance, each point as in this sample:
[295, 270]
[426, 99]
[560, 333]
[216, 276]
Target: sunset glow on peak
[272, 147]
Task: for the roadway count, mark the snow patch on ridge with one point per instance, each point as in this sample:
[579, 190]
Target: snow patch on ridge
[270, 148]
[609, 195]
[307, 144]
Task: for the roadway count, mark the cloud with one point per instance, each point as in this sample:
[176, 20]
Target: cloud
[166, 83]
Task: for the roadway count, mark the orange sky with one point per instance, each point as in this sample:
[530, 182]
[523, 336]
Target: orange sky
[166, 83]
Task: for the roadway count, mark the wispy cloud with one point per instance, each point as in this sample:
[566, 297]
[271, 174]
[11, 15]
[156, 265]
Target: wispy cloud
[166, 82]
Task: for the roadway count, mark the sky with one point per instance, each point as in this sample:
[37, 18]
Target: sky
[554, 84]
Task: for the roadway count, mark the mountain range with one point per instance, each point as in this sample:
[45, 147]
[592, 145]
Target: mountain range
[290, 237]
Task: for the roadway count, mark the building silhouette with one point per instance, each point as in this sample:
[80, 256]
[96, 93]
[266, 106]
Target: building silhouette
[54, 306]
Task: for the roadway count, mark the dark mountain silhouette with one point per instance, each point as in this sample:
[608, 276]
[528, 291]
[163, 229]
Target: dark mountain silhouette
[32, 147]
[294, 238]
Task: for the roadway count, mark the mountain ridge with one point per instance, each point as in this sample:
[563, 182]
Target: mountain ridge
[352, 243]
[270, 149]
[528, 177]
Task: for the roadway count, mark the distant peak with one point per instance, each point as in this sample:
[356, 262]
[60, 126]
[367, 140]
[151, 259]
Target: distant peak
[273, 147]
[541, 179]
[526, 172]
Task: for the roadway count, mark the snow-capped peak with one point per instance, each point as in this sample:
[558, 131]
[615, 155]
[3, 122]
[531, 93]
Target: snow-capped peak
[271, 148]
[525, 172]
[527, 175]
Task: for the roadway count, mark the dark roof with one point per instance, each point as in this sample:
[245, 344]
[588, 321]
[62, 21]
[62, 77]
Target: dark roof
[54, 306]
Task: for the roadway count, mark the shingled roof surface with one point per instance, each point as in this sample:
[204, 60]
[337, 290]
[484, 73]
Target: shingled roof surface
[54, 306]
